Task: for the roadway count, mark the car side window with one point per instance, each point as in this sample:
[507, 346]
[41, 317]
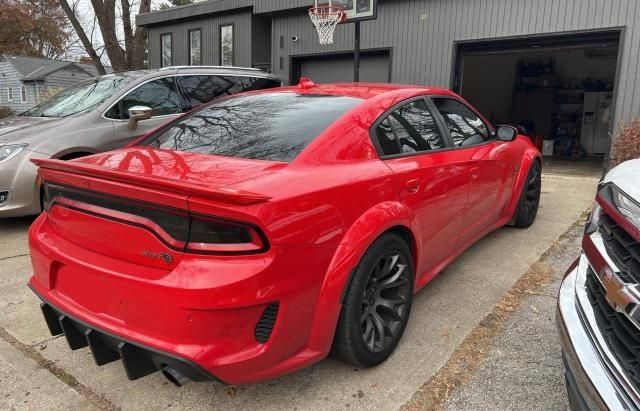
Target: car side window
[198, 90]
[253, 83]
[387, 138]
[465, 127]
[414, 130]
[161, 95]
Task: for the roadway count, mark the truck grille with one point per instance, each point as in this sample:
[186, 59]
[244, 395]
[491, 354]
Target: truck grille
[623, 249]
[622, 336]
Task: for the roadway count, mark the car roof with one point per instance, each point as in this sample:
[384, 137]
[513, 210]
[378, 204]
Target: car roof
[360, 90]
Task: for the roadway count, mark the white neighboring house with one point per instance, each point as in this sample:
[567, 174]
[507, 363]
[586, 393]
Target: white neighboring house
[25, 81]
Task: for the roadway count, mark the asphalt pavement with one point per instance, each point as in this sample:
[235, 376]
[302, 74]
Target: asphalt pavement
[523, 369]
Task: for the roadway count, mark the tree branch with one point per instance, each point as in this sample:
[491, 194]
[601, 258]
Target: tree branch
[105, 11]
[83, 37]
[128, 31]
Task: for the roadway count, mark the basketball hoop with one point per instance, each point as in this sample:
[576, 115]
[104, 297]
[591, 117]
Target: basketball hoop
[325, 19]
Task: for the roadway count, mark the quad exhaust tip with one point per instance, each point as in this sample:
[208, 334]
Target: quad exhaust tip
[174, 376]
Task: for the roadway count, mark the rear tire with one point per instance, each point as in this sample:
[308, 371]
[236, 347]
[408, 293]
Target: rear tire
[377, 304]
[529, 198]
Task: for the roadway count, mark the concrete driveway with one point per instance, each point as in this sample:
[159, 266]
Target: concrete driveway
[37, 370]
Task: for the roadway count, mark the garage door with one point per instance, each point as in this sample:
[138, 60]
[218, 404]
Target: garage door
[338, 68]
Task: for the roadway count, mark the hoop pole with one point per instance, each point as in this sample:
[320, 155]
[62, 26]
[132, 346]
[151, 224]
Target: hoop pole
[356, 53]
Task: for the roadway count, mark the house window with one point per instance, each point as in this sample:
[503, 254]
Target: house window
[165, 44]
[226, 45]
[23, 94]
[9, 94]
[195, 47]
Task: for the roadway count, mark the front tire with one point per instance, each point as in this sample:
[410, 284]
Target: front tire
[530, 198]
[377, 304]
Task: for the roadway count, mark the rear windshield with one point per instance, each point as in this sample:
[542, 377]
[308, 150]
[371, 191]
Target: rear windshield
[274, 126]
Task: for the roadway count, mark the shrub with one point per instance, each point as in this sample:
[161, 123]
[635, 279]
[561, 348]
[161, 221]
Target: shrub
[5, 112]
[626, 145]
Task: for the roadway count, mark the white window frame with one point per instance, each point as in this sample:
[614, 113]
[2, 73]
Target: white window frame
[9, 93]
[230, 26]
[189, 33]
[23, 94]
[162, 53]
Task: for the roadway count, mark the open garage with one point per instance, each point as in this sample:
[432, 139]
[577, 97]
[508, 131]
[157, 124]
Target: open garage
[557, 89]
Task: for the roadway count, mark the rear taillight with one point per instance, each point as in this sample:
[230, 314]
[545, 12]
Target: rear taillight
[176, 228]
[218, 236]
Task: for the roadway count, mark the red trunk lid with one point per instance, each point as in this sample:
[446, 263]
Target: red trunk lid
[203, 170]
[133, 204]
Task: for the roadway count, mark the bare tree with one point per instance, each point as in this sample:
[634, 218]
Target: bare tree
[124, 55]
[86, 43]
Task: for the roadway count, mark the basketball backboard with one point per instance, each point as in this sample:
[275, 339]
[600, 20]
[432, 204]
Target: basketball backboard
[354, 9]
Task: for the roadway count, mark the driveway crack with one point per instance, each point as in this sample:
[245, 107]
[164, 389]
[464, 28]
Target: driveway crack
[49, 365]
[13, 256]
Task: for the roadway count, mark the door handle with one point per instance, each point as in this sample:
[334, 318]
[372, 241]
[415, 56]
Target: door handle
[474, 173]
[413, 185]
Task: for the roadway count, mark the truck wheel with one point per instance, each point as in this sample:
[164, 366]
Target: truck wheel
[377, 304]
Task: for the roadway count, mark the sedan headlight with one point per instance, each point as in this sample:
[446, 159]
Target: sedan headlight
[10, 151]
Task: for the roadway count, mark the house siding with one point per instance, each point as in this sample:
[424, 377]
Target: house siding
[37, 90]
[210, 39]
[9, 77]
[65, 78]
[422, 33]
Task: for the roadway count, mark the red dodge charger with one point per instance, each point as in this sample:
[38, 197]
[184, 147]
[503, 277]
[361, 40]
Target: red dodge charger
[255, 235]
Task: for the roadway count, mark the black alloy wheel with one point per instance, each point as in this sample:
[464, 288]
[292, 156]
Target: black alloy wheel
[384, 301]
[530, 197]
[377, 304]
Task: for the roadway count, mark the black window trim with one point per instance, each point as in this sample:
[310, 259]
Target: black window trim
[170, 34]
[374, 138]
[233, 43]
[490, 128]
[198, 29]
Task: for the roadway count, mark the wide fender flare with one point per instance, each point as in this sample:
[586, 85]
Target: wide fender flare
[364, 231]
[530, 155]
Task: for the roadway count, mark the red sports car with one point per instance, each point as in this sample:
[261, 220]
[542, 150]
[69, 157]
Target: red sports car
[255, 235]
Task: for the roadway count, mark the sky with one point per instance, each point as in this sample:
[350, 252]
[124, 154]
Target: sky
[85, 14]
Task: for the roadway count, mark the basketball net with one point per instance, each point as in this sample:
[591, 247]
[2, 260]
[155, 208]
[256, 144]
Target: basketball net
[325, 19]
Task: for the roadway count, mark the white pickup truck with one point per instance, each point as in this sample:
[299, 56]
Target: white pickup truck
[599, 302]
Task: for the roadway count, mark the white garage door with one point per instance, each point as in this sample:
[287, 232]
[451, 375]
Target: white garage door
[332, 68]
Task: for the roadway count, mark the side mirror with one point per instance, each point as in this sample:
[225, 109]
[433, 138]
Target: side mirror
[137, 113]
[506, 133]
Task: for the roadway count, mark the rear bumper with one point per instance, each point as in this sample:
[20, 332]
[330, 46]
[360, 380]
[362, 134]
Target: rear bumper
[138, 360]
[206, 311]
[594, 380]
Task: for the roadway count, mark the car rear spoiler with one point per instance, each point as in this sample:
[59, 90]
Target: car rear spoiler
[228, 195]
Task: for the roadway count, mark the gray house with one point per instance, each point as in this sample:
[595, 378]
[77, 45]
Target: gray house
[564, 69]
[25, 81]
